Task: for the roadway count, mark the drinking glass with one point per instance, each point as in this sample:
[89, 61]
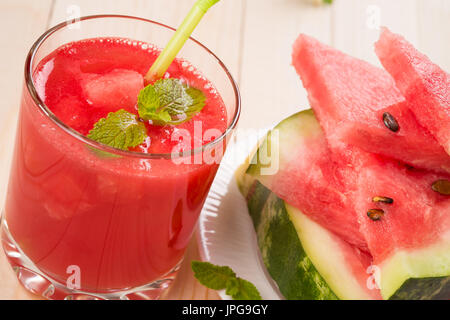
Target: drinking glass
[86, 221]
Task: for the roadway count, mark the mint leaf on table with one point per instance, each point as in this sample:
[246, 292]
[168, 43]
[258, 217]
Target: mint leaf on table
[241, 289]
[120, 129]
[222, 277]
[212, 276]
[169, 101]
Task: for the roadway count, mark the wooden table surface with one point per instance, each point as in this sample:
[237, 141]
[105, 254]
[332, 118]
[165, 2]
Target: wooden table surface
[252, 37]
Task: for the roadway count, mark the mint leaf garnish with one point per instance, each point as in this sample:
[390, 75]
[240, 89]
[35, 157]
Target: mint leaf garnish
[169, 101]
[328, 1]
[222, 277]
[241, 289]
[120, 129]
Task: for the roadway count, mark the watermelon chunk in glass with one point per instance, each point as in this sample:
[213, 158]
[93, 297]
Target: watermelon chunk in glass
[112, 91]
[425, 85]
[349, 97]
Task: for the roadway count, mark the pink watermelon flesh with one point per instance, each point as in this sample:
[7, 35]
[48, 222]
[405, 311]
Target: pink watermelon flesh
[317, 184]
[349, 97]
[359, 262]
[418, 217]
[425, 85]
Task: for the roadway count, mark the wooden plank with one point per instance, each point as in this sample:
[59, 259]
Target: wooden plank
[270, 88]
[29, 19]
[356, 24]
[219, 30]
[185, 286]
[434, 31]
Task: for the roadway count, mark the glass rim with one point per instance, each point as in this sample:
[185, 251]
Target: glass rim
[99, 146]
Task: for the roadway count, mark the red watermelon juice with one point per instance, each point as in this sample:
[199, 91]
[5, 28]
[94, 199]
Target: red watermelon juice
[123, 218]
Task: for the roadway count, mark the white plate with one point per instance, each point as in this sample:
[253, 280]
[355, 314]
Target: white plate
[226, 235]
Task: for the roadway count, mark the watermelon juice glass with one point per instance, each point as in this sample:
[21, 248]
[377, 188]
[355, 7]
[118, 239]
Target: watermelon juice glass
[83, 220]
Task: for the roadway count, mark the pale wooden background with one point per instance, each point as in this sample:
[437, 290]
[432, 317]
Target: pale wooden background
[252, 37]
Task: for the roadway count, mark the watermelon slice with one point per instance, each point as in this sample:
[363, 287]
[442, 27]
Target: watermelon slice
[307, 261]
[425, 85]
[350, 96]
[307, 164]
[409, 246]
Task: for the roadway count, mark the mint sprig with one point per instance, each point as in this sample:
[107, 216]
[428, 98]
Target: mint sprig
[120, 129]
[169, 101]
[222, 277]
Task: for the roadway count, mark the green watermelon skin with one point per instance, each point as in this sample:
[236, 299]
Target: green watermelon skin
[349, 97]
[302, 265]
[281, 249]
[425, 85]
[437, 288]
[411, 240]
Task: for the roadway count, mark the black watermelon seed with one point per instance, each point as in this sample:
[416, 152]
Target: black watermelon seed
[375, 214]
[442, 187]
[390, 122]
[383, 199]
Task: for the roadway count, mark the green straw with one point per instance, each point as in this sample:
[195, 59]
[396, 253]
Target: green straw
[178, 40]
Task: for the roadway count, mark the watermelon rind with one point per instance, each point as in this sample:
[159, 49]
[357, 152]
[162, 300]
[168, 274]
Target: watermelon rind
[287, 238]
[436, 288]
[421, 274]
[303, 258]
[281, 249]
[300, 125]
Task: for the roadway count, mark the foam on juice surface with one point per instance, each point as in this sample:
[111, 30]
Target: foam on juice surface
[81, 82]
